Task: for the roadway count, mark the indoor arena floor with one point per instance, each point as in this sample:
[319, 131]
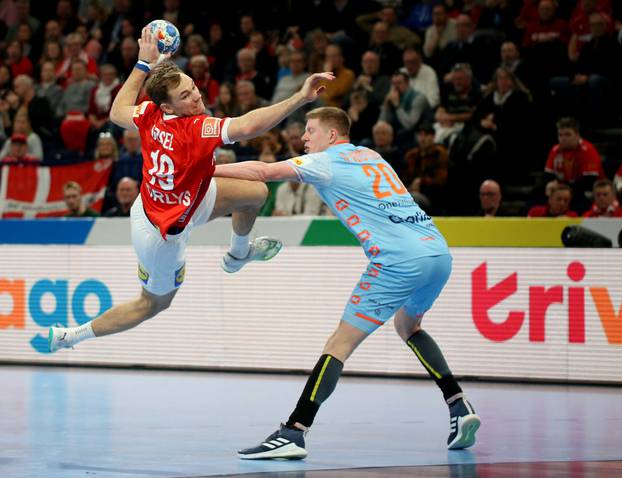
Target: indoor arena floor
[81, 422]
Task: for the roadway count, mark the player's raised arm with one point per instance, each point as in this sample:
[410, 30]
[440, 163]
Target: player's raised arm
[259, 121]
[122, 109]
[257, 171]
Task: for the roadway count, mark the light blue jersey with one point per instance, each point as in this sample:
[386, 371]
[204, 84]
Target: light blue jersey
[365, 193]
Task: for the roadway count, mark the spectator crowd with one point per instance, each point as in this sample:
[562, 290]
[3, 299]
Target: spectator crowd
[482, 107]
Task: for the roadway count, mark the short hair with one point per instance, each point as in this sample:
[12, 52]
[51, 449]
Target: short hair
[603, 183]
[382, 124]
[402, 74]
[568, 122]
[332, 117]
[163, 78]
[71, 185]
[561, 187]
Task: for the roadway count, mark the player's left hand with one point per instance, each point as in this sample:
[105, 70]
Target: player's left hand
[315, 84]
[148, 48]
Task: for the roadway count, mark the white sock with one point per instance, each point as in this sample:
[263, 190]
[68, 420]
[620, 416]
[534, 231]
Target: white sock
[239, 246]
[80, 333]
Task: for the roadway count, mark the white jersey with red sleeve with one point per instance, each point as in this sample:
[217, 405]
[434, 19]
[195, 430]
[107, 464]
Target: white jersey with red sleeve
[178, 162]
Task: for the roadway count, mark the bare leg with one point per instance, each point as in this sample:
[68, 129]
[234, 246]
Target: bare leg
[130, 314]
[242, 199]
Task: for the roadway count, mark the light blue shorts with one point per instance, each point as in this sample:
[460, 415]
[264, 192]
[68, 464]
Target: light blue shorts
[382, 290]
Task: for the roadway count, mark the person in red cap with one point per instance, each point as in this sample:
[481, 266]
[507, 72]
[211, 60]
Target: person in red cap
[18, 150]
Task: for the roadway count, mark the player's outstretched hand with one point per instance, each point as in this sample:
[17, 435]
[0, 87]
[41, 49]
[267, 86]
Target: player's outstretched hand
[148, 48]
[315, 84]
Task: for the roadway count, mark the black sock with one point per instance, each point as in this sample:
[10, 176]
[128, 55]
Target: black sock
[431, 357]
[320, 385]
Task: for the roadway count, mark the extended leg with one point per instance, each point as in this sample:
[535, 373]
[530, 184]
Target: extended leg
[116, 319]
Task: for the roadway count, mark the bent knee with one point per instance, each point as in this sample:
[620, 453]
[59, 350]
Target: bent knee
[152, 305]
[259, 192]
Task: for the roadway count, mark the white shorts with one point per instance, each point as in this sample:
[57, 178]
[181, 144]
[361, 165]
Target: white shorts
[162, 264]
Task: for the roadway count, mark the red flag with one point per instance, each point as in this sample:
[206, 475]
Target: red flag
[37, 191]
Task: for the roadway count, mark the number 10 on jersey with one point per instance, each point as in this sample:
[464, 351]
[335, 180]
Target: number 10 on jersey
[162, 171]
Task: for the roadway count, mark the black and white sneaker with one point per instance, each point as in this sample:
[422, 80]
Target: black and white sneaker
[463, 423]
[284, 444]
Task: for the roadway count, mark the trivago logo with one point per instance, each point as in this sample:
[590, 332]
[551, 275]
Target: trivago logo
[484, 297]
[45, 312]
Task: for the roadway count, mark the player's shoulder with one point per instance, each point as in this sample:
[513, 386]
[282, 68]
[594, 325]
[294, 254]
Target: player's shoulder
[309, 159]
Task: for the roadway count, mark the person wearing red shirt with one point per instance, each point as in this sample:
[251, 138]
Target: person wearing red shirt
[605, 203]
[178, 192]
[558, 206]
[19, 64]
[574, 160]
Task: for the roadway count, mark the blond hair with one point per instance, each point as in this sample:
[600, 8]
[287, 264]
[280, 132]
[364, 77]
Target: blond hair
[72, 185]
[332, 117]
[164, 77]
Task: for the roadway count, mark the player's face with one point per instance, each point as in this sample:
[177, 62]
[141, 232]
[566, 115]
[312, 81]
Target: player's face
[186, 99]
[317, 137]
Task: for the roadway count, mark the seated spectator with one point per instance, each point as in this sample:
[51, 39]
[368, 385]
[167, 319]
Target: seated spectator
[74, 52]
[363, 116]
[247, 98]
[512, 60]
[102, 96]
[24, 17]
[491, 200]
[336, 91]
[316, 45]
[580, 28]
[374, 84]
[200, 72]
[21, 128]
[227, 105]
[383, 138]
[297, 199]
[421, 77]
[440, 34]
[546, 41]
[426, 170]
[126, 59]
[38, 109]
[574, 161]
[458, 103]
[72, 193]
[130, 151]
[17, 151]
[76, 96]
[399, 35]
[17, 61]
[505, 114]
[389, 53]
[403, 107]
[291, 83]
[498, 16]
[247, 71]
[558, 204]
[605, 202]
[292, 135]
[106, 147]
[48, 88]
[476, 50]
[53, 53]
[597, 70]
[127, 192]
[265, 56]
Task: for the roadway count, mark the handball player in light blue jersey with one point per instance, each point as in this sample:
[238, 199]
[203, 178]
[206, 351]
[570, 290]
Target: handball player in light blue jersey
[409, 264]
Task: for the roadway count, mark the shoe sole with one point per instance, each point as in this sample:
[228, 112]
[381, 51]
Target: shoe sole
[51, 340]
[466, 433]
[233, 270]
[287, 452]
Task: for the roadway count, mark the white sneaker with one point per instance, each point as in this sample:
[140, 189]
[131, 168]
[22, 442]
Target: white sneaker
[58, 339]
[261, 249]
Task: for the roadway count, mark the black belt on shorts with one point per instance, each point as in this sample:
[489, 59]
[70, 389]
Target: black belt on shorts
[172, 231]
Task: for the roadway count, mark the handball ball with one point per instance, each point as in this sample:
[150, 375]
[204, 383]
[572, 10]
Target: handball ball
[167, 35]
